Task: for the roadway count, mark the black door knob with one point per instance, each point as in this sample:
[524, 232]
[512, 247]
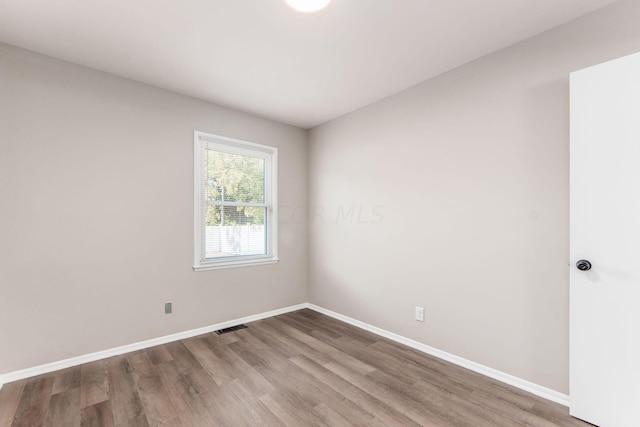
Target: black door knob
[583, 265]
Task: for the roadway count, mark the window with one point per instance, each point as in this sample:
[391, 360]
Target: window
[235, 195]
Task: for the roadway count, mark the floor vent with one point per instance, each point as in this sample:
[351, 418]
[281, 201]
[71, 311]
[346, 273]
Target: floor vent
[231, 329]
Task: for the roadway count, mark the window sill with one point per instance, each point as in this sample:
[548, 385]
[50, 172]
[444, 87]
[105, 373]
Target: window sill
[234, 264]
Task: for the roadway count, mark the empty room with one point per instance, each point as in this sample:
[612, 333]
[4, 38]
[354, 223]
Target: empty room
[319, 213]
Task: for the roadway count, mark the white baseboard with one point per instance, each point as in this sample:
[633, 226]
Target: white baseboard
[525, 385]
[91, 357]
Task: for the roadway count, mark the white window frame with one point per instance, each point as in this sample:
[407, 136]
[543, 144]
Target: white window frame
[234, 146]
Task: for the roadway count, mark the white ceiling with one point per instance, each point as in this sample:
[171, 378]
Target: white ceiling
[262, 57]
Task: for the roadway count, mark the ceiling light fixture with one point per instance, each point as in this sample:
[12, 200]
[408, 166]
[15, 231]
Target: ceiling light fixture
[307, 5]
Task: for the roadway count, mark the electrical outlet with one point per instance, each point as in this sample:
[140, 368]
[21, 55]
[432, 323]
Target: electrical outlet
[420, 314]
[167, 308]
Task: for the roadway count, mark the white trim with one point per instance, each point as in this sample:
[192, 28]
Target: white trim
[92, 357]
[249, 205]
[520, 383]
[272, 214]
[236, 146]
[198, 236]
[237, 262]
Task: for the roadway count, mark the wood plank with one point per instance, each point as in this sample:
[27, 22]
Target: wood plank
[34, 402]
[502, 407]
[457, 410]
[98, 415]
[330, 417]
[331, 328]
[286, 416]
[448, 375]
[220, 371]
[287, 407]
[260, 331]
[253, 410]
[295, 382]
[201, 381]
[274, 328]
[403, 369]
[10, 396]
[327, 349]
[64, 409]
[391, 396]
[239, 366]
[158, 407]
[159, 354]
[66, 379]
[556, 414]
[139, 421]
[379, 409]
[125, 401]
[185, 399]
[182, 357]
[94, 385]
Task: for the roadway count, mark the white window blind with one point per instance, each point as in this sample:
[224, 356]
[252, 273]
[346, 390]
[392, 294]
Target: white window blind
[235, 193]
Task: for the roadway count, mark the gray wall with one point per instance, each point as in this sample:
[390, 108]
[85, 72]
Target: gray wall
[459, 190]
[96, 213]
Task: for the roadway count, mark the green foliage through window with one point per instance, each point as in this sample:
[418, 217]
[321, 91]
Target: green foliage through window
[234, 178]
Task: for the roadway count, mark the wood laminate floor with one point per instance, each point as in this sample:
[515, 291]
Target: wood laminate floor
[297, 369]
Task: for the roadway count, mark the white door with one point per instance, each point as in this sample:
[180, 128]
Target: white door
[605, 230]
